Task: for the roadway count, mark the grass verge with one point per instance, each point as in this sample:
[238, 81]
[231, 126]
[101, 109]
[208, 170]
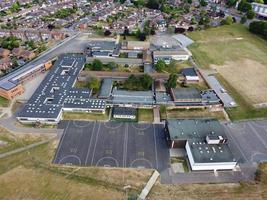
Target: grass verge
[145, 115]
[85, 116]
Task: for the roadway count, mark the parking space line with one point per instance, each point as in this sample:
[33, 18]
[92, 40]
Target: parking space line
[236, 143]
[155, 142]
[93, 156]
[88, 151]
[61, 141]
[257, 134]
[125, 143]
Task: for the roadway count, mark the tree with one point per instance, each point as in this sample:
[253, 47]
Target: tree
[172, 81]
[203, 3]
[146, 81]
[231, 3]
[94, 84]
[126, 31]
[153, 4]
[259, 28]
[142, 37]
[107, 32]
[190, 28]
[160, 66]
[250, 14]
[243, 20]
[111, 65]
[227, 21]
[51, 26]
[179, 30]
[97, 65]
[244, 6]
[139, 3]
[259, 1]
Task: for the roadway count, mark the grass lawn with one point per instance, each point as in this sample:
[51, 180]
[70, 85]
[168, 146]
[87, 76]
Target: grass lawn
[81, 84]
[29, 175]
[85, 116]
[239, 57]
[177, 66]
[244, 109]
[4, 102]
[194, 113]
[13, 141]
[145, 115]
[227, 43]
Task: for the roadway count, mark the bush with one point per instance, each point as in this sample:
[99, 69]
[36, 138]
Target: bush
[250, 14]
[259, 28]
[227, 21]
[97, 65]
[243, 20]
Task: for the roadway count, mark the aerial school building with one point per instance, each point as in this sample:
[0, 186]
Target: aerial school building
[204, 141]
[57, 94]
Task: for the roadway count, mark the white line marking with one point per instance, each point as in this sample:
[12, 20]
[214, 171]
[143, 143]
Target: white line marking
[71, 156]
[142, 159]
[257, 134]
[95, 144]
[61, 140]
[88, 151]
[125, 145]
[155, 142]
[108, 157]
[236, 143]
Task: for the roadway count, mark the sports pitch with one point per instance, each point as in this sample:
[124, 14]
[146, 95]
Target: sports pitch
[113, 144]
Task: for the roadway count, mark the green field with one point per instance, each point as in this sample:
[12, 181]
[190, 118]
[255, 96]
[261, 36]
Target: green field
[30, 175]
[11, 141]
[145, 115]
[227, 43]
[244, 109]
[4, 102]
[85, 116]
[233, 50]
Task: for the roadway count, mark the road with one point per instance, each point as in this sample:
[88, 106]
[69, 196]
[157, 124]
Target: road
[73, 44]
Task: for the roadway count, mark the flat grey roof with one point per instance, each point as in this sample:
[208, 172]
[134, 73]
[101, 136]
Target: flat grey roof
[189, 71]
[132, 97]
[106, 87]
[186, 129]
[227, 100]
[56, 91]
[124, 111]
[163, 98]
[210, 153]
[183, 40]
[186, 93]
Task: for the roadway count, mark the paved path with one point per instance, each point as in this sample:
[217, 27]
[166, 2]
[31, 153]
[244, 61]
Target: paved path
[149, 186]
[10, 124]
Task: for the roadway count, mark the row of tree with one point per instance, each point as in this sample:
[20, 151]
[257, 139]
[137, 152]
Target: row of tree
[259, 28]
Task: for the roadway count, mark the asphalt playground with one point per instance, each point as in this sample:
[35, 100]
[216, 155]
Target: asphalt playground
[113, 144]
[248, 140]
